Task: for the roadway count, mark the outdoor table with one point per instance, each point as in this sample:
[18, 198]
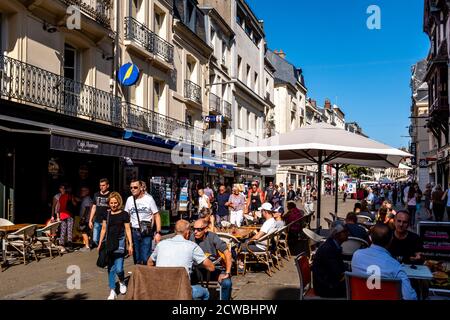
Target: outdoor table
[242, 234]
[420, 273]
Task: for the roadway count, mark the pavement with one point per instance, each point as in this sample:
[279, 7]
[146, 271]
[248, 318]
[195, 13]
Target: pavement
[53, 278]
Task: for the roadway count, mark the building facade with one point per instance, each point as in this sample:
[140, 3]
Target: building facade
[437, 27]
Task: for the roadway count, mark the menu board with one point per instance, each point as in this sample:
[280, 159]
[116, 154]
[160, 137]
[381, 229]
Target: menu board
[436, 245]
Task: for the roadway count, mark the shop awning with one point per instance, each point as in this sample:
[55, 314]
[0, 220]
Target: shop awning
[70, 140]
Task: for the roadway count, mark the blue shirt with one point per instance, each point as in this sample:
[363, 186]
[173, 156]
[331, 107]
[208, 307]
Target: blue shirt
[178, 252]
[389, 267]
[222, 209]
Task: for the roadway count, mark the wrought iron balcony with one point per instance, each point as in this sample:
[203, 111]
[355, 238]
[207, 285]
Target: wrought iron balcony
[138, 118]
[440, 104]
[214, 104]
[192, 91]
[25, 83]
[227, 110]
[142, 35]
[99, 10]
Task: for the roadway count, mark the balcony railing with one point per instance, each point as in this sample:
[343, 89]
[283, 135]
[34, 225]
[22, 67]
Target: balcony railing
[440, 104]
[23, 82]
[214, 104]
[138, 118]
[192, 91]
[142, 35]
[227, 109]
[99, 10]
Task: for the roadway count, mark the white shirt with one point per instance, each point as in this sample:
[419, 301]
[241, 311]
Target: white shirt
[146, 207]
[268, 227]
[203, 202]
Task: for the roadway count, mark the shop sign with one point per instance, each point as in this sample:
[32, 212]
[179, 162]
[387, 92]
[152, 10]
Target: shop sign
[214, 119]
[423, 163]
[128, 74]
[84, 146]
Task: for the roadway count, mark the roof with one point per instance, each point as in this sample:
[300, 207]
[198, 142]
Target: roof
[285, 72]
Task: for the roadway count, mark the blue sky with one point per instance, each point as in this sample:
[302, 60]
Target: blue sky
[366, 72]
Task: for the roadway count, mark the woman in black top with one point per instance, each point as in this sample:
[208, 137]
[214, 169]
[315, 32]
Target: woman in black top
[116, 227]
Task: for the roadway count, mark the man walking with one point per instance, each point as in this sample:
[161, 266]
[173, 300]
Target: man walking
[144, 215]
[222, 208]
[99, 210]
[308, 200]
[270, 191]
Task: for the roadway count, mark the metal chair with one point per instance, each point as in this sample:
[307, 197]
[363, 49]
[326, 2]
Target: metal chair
[303, 266]
[5, 223]
[329, 222]
[352, 244]
[258, 257]
[357, 289]
[22, 241]
[363, 219]
[313, 240]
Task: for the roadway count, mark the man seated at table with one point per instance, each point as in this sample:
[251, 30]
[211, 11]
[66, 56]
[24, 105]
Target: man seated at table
[180, 252]
[406, 246]
[328, 265]
[268, 227]
[354, 229]
[377, 255]
[211, 244]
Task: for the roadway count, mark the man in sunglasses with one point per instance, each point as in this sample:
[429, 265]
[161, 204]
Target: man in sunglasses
[213, 246]
[142, 204]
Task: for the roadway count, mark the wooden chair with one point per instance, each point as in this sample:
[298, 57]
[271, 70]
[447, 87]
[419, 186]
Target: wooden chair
[283, 241]
[275, 250]
[357, 289]
[47, 239]
[22, 241]
[303, 266]
[233, 244]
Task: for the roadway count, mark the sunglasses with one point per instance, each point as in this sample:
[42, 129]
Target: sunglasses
[134, 188]
[199, 229]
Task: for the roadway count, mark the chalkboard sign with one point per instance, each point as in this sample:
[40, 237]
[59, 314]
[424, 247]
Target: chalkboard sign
[436, 249]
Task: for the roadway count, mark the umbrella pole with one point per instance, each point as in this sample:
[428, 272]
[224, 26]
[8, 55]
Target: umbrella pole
[337, 167]
[319, 191]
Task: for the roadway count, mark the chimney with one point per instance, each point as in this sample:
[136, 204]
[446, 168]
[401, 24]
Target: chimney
[280, 53]
[314, 103]
[327, 104]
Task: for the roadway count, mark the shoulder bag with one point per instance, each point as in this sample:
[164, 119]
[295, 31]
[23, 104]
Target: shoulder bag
[103, 256]
[145, 227]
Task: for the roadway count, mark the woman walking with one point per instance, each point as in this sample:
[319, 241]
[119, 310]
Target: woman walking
[237, 205]
[63, 207]
[437, 205]
[254, 200]
[115, 228]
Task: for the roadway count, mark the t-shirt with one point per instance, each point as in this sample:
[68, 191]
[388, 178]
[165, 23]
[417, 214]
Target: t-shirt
[146, 207]
[101, 206]
[238, 202]
[222, 209]
[117, 224]
[202, 202]
[64, 206]
[268, 227]
[86, 202]
[209, 192]
[405, 248]
[279, 224]
[211, 244]
[270, 191]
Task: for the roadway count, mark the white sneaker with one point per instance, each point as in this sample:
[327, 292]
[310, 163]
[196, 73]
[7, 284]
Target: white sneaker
[122, 288]
[112, 295]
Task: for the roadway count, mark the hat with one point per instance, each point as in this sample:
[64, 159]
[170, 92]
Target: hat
[337, 227]
[266, 206]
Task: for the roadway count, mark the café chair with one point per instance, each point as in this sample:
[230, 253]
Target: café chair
[47, 237]
[314, 240]
[357, 289]
[257, 257]
[5, 223]
[329, 222]
[275, 249]
[283, 244]
[351, 245]
[22, 241]
[303, 266]
[363, 219]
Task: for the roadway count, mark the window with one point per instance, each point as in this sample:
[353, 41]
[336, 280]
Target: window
[190, 15]
[239, 70]
[213, 37]
[240, 17]
[158, 22]
[189, 121]
[71, 63]
[240, 117]
[256, 83]
[136, 10]
[224, 52]
[292, 120]
[249, 121]
[190, 69]
[249, 78]
[158, 89]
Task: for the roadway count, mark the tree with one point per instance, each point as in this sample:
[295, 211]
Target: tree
[355, 171]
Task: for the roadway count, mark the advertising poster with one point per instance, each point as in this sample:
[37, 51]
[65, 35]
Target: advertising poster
[351, 188]
[165, 218]
[184, 195]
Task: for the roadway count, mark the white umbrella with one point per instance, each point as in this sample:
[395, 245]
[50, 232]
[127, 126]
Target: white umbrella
[322, 144]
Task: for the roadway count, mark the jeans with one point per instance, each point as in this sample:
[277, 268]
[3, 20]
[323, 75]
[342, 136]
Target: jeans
[115, 268]
[96, 232]
[412, 214]
[142, 247]
[200, 293]
[225, 289]
[219, 219]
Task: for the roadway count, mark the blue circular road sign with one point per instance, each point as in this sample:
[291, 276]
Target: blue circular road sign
[128, 74]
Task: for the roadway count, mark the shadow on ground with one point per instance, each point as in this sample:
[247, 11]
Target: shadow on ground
[65, 296]
[286, 294]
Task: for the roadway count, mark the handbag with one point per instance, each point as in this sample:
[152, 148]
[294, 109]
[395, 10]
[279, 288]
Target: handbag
[145, 227]
[103, 255]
